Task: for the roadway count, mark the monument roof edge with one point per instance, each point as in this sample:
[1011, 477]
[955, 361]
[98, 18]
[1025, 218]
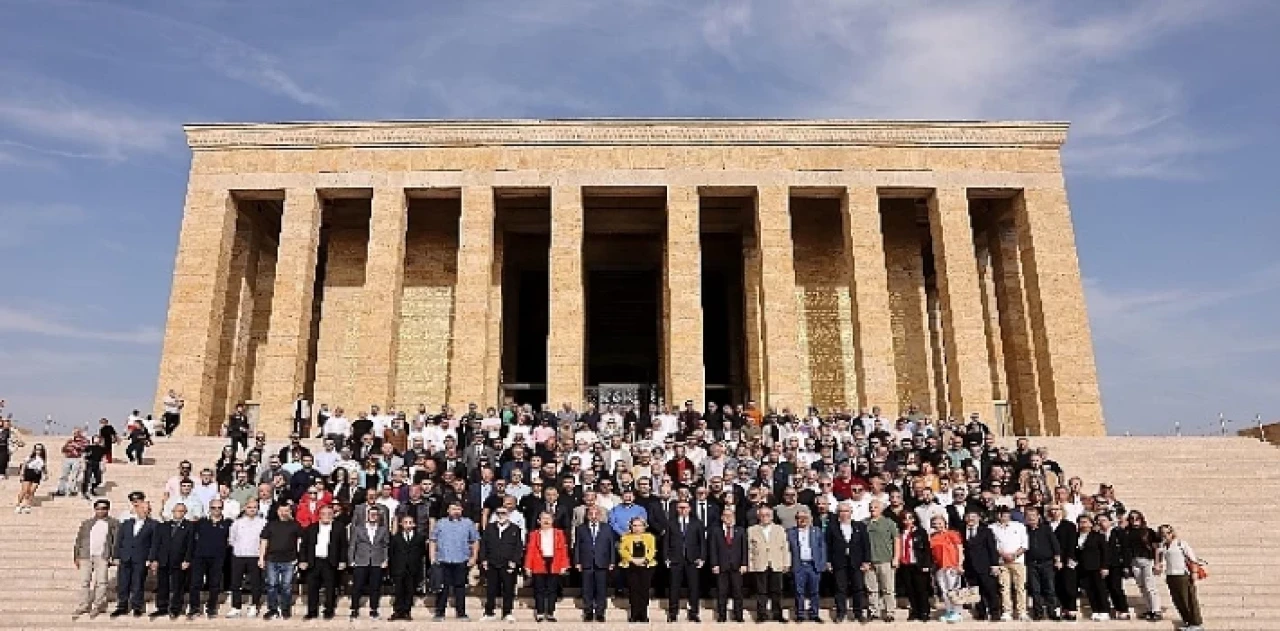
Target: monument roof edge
[627, 131]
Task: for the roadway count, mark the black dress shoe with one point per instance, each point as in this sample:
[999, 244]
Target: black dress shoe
[156, 614]
[137, 613]
[119, 612]
[693, 617]
[720, 617]
[671, 617]
[587, 617]
[739, 619]
[310, 616]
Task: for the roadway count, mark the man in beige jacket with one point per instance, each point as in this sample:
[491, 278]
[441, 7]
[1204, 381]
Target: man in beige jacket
[95, 543]
[768, 558]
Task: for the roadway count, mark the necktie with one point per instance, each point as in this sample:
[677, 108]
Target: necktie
[407, 537]
[728, 535]
[971, 533]
[594, 528]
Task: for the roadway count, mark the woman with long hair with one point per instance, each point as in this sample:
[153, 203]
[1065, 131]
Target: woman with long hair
[34, 470]
[1141, 546]
[638, 554]
[340, 483]
[1116, 565]
[1176, 559]
[225, 469]
[546, 558]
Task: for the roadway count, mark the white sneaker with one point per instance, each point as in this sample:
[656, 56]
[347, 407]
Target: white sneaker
[251, 611]
[17, 510]
[509, 618]
[1024, 618]
[234, 613]
[488, 618]
[1006, 618]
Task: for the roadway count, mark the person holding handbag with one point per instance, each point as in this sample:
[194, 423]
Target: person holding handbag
[948, 558]
[1181, 568]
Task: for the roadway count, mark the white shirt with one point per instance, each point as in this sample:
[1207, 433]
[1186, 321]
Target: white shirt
[230, 507]
[861, 509]
[98, 538]
[802, 535]
[1010, 537]
[137, 525]
[1072, 510]
[337, 425]
[546, 542]
[322, 540]
[327, 461]
[245, 536]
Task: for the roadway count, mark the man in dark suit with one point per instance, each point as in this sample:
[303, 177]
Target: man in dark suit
[981, 565]
[209, 553]
[727, 544]
[173, 541]
[594, 547]
[135, 555]
[368, 546]
[502, 548]
[323, 562]
[686, 547]
[849, 554]
[408, 551]
[561, 511]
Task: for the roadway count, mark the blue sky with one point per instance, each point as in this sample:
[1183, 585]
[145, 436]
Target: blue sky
[1170, 159]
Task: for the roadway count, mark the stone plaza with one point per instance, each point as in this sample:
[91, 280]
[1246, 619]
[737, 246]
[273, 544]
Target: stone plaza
[834, 263]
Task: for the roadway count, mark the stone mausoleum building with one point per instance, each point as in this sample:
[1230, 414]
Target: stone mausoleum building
[793, 262]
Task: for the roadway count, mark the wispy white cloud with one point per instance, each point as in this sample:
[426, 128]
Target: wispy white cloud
[23, 322]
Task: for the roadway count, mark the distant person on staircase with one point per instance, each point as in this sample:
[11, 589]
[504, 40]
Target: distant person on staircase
[109, 436]
[172, 416]
[72, 453]
[34, 471]
[91, 478]
[237, 428]
[139, 440]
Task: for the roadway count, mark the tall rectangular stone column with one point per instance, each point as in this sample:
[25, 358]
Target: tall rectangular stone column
[779, 304]
[687, 379]
[1015, 328]
[1063, 342]
[384, 282]
[869, 279]
[471, 298]
[752, 324]
[284, 372]
[959, 291]
[567, 333]
[197, 306]
[493, 360]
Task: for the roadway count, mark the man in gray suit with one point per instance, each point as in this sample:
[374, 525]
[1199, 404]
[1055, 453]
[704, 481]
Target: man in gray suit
[370, 540]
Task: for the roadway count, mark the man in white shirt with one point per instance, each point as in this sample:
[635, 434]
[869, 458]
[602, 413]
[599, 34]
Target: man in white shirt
[929, 508]
[186, 497]
[328, 458]
[337, 427]
[1011, 544]
[207, 488]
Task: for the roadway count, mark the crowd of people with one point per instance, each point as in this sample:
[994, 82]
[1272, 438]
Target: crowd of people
[679, 504]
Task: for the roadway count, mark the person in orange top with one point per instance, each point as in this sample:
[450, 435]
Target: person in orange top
[948, 559]
[546, 558]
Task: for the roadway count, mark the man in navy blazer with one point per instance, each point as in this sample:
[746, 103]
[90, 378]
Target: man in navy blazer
[808, 560]
[981, 565]
[173, 547]
[135, 555]
[686, 552]
[594, 547]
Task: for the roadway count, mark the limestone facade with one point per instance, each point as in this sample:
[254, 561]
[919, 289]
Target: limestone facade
[879, 263]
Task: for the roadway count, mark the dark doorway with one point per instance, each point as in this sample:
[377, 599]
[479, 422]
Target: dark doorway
[622, 326]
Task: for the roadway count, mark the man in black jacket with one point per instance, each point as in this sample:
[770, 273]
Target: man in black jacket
[1043, 557]
[408, 553]
[849, 553]
[208, 558]
[1065, 578]
[502, 551]
[686, 547]
[173, 558]
[323, 562]
[981, 565]
[727, 544]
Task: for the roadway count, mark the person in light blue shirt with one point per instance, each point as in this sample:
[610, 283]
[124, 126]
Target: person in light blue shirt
[622, 514]
[454, 544]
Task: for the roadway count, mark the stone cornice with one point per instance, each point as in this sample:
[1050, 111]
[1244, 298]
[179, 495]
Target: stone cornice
[620, 132]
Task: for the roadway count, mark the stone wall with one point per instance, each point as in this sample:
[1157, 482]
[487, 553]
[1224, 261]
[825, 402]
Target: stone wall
[337, 351]
[822, 288]
[426, 305]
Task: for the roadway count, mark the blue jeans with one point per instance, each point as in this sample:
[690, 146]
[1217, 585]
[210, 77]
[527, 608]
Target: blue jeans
[806, 577]
[279, 586]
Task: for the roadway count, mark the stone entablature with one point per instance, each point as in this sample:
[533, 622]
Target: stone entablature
[620, 132]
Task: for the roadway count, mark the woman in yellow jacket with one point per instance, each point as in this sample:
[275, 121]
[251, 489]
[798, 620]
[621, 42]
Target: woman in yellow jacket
[638, 551]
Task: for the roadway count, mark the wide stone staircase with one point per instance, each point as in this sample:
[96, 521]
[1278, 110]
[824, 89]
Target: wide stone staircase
[1221, 493]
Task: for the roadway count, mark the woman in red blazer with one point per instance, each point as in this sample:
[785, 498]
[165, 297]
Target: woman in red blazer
[546, 557]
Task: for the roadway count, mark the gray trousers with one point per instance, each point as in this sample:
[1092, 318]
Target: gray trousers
[880, 591]
[93, 584]
[68, 482]
[1145, 575]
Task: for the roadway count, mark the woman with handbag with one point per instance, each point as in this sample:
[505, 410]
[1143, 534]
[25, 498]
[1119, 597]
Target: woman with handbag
[1181, 568]
[637, 554]
[546, 557]
[948, 559]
